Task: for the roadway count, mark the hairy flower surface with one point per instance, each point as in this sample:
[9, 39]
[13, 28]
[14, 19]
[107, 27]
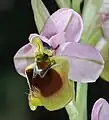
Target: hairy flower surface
[47, 76]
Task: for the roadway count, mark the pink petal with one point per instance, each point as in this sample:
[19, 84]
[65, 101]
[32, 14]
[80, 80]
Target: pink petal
[75, 28]
[64, 20]
[57, 40]
[20, 59]
[86, 63]
[100, 110]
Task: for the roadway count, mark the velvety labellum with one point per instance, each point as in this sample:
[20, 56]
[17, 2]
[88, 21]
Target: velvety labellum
[47, 85]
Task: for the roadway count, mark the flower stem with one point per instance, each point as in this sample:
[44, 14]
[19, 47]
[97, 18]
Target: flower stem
[78, 110]
[81, 101]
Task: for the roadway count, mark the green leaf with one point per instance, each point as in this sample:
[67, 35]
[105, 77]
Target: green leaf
[85, 1]
[72, 110]
[105, 6]
[90, 18]
[90, 10]
[64, 3]
[40, 12]
[76, 5]
[105, 73]
[71, 106]
[95, 37]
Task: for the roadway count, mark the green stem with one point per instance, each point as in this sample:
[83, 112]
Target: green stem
[78, 110]
[81, 101]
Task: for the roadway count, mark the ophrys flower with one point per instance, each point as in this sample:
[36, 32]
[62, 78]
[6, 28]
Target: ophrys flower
[48, 70]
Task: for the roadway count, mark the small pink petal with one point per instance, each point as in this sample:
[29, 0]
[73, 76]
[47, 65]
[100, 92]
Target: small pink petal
[20, 59]
[57, 40]
[105, 24]
[86, 63]
[64, 20]
[100, 110]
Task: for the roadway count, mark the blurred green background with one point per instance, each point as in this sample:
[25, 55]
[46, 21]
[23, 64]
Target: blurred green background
[16, 23]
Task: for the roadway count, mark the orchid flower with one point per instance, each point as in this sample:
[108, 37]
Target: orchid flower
[100, 110]
[62, 35]
[47, 75]
[103, 47]
[66, 59]
[104, 16]
[105, 23]
[103, 44]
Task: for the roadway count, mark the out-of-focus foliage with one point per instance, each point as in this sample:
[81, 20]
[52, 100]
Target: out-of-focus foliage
[41, 13]
[13, 101]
